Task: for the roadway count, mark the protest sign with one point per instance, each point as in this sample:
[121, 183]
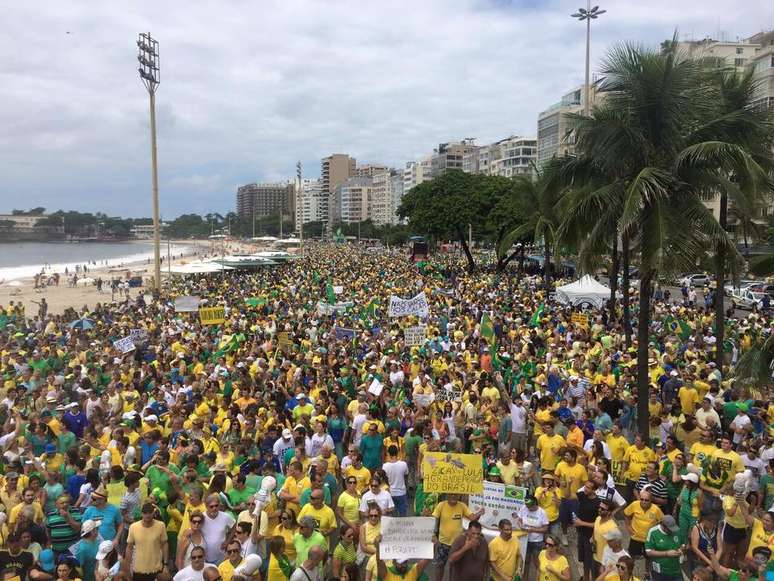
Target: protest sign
[138, 335]
[444, 394]
[284, 341]
[453, 473]
[415, 335]
[324, 308]
[212, 315]
[581, 320]
[186, 304]
[424, 399]
[376, 387]
[499, 501]
[337, 290]
[407, 537]
[344, 333]
[124, 345]
[404, 307]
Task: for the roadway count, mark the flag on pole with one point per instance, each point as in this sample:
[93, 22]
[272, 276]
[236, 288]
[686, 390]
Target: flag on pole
[329, 292]
[487, 330]
[370, 311]
[535, 320]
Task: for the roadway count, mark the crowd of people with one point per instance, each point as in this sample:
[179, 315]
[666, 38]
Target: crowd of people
[256, 448]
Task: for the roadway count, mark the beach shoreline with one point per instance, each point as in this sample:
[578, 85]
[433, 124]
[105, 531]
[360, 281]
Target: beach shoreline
[64, 296]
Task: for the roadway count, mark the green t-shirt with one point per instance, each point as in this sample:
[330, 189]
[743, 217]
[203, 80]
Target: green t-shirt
[767, 486]
[159, 479]
[237, 497]
[658, 540]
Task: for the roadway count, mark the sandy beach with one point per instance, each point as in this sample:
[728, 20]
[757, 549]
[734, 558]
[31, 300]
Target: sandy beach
[59, 298]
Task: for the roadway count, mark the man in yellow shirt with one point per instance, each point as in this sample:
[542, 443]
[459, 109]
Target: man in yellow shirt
[636, 458]
[324, 517]
[641, 515]
[729, 461]
[504, 553]
[291, 491]
[549, 498]
[449, 514]
[571, 477]
[618, 444]
[689, 399]
[549, 445]
[232, 561]
[703, 450]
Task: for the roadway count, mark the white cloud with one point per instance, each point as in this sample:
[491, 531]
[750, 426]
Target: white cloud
[248, 88]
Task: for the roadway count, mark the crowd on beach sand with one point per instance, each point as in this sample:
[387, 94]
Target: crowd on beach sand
[274, 443]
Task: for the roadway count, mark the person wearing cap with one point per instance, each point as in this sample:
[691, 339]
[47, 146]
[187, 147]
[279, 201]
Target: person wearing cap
[307, 538]
[663, 548]
[549, 498]
[75, 420]
[108, 515]
[612, 549]
[283, 444]
[87, 548]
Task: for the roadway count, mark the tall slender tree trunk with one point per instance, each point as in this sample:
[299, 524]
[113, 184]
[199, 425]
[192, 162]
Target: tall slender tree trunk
[643, 331]
[720, 275]
[615, 267]
[627, 316]
[547, 267]
[468, 254]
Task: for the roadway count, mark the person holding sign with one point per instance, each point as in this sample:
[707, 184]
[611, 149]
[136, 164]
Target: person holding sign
[398, 569]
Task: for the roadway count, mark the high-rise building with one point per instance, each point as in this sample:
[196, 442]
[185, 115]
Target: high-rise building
[265, 199]
[417, 172]
[380, 210]
[334, 170]
[312, 200]
[450, 155]
[352, 198]
[512, 156]
[369, 170]
[396, 193]
[553, 131]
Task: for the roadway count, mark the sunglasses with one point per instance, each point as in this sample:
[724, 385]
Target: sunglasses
[197, 557]
[197, 521]
[233, 551]
[373, 516]
[550, 544]
[351, 481]
[621, 567]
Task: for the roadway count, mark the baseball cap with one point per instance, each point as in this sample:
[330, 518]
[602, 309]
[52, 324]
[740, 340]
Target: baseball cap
[287, 434]
[668, 521]
[613, 535]
[692, 476]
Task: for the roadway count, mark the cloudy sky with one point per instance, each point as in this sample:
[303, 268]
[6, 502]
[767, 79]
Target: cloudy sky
[249, 88]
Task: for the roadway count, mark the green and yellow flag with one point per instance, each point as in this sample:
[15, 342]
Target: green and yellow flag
[329, 292]
[535, 320]
[487, 330]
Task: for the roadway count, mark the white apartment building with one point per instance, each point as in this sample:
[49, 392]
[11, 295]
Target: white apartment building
[417, 172]
[312, 202]
[512, 156]
[352, 197]
[396, 193]
[553, 126]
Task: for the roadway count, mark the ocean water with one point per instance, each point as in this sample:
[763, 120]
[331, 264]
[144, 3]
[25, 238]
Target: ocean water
[25, 259]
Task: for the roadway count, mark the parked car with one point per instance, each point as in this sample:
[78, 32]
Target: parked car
[761, 288]
[746, 299]
[695, 280]
[729, 288]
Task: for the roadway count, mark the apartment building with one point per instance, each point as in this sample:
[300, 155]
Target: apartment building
[334, 170]
[266, 199]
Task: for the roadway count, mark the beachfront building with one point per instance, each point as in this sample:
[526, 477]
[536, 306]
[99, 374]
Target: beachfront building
[334, 170]
[265, 199]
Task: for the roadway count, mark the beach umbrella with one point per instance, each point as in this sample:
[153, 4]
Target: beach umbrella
[83, 324]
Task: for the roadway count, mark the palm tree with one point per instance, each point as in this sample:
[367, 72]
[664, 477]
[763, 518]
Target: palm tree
[754, 367]
[538, 205]
[647, 132]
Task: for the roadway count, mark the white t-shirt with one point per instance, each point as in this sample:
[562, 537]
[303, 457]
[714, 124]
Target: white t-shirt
[188, 574]
[214, 531]
[396, 476]
[758, 469]
[300, 575]
[383, 499]
[533, 518]
[605, 448]
[357, 427]
[740, 422]
[518, 419]
[610, 557]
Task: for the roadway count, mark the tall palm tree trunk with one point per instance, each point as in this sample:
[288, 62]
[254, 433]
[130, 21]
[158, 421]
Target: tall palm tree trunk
[627, 317]
[547, 266]
[720, 274]
[614, 268]
[643, 379]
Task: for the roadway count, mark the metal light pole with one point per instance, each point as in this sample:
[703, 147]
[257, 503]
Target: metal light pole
[588, 14]
[150, 74]
[300, 206]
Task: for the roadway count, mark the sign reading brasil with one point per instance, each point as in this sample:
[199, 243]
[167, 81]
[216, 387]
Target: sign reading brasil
[407, 537]
[212, 315]
[453, 473]
[404, 307]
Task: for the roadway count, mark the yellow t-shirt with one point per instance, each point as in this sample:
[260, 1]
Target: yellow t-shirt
[759, 538]
[291, 487]
[735, 520]
[642, 520]
[147, 542]
[600, 530]
[541, 417]
[700, 453]
[550, 447]
[505, 556]
[226, 570]
[571, 478]
[545, 499]
[362, 475]
[508, 471]
[450, 520]
[637, 460]
[558, 564]
[618, 446]
[689, 398]
[729, 461]
[324, 517]
[349, 507]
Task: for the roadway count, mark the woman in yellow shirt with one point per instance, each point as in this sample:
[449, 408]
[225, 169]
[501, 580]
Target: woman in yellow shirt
[623, 570]
[286, 529]
[551, 565]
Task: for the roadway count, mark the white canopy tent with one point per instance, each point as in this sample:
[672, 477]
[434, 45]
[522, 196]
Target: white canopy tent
[586, 290]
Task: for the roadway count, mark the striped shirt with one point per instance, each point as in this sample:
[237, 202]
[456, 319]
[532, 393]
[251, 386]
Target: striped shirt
[59, 530]
[657, 487]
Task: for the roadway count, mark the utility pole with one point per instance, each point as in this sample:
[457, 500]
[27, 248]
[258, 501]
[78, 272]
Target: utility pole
[300, 205]
[150, 73]
[470, 235]
[588, 14]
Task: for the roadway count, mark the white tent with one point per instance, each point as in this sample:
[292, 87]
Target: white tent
[586, 290]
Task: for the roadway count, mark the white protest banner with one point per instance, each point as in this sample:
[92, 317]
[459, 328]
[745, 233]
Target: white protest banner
[376, 387]
[138, 335]
[499, 501]
[407, 537]
[337, 290]
[445, 394]
[186, 304]
[424, 399]
[415, 335]
[404, 307]
[124, 345]
[324, 308]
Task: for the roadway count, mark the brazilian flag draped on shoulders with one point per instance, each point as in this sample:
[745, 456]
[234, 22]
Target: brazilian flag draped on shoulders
[488, 335]
[329, 292]
[678, 327]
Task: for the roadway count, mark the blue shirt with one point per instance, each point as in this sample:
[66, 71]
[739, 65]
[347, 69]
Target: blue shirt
[76, 423]
[371, 448]
[74, 484]
[110, 517]
[147, 451]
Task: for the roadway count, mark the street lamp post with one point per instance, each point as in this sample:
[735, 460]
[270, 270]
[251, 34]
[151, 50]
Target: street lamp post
[150, 74]
[588, 14]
